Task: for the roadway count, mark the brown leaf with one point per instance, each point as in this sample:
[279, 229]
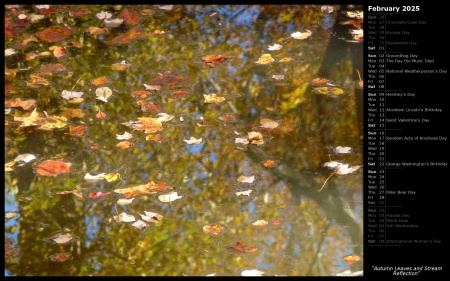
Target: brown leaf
[213, 60]
[60, 257]
[100, 81]
[227, 118]
[73, 113]
[55, 34]
[127, 37]
[149, 125]
[268, 123]
[37, 80]
[130, 16]
[148, 106]
[140, 94]
[269, 163]
[17, 102]
[178, 94]
[49, 69]
[157, 138]
[77, 130]
[79, 12]
[212, 229]
[41, 121]
[169, 78]
[239, 248]
[53, 168]
[148, 188]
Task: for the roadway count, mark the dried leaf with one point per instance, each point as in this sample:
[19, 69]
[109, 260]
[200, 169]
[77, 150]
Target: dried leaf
[77, 130]
[53, 168]
[110, 23]
[269, 163]
[55, 34]
[60, 257]
[178, 94]
[62, 238]
[124, 136]
[140, 94]
[124, 217]
[37, 80]
[286, 59]
[345, 169]
[227, 118]
[268, 123]
[130, 16]
[94, 30]
[156, 138]
[100, 115]
[152, 87]
[124, 201]
[212, 229]
[103, 93]
[244, 193]
[125, 144]
[164, 117]
[148, 106]
[239, 248]
[241, 140]
[98, 195]
[301, 35]
[127, 37]
[340, 150]
[23, 104]
[255, 138]
[332, 164]
[79, 12]
[94, 178]
[246, 179]
[152, 217]
[139, 225]
[122, 66]
[275, 47]
[169, 78]
[351, 259]
[149, 125]
[58, 51]
[100, 81]
[169, 197]
[265, 59]
[103, 15]
[213, 60]
[158, 32]
[24, 158]
[193, 140]
[148, 188]
[112, 177]
[260, 223]
[213, 98]
[71, 95]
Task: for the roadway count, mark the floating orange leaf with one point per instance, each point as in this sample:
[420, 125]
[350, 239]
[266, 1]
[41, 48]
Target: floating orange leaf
[53, 168]
[157, 32]
[55, 34]
[286, 59]
[140, 94]
[127, 37]
[275, 222]
[149, 125]
[239, 248]
[157, 138]
[130, 16]
[125, 144]
[212, 229]
[17, 102]
[148, 188]
[269, 163]
[100, 115]
[213, 60]
[77, 130]
[351, 259]
[100, 81]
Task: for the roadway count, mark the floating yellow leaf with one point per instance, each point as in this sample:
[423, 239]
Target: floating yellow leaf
[42, 122]
[286, 59]
[112, 177]
[212, 228]
[148, 188]
[265, 59]
[213, 98]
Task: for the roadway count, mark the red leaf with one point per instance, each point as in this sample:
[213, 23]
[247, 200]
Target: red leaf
[239, 248]
[97, 195]
[55, 34]
[130, 16]
[53, 168]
